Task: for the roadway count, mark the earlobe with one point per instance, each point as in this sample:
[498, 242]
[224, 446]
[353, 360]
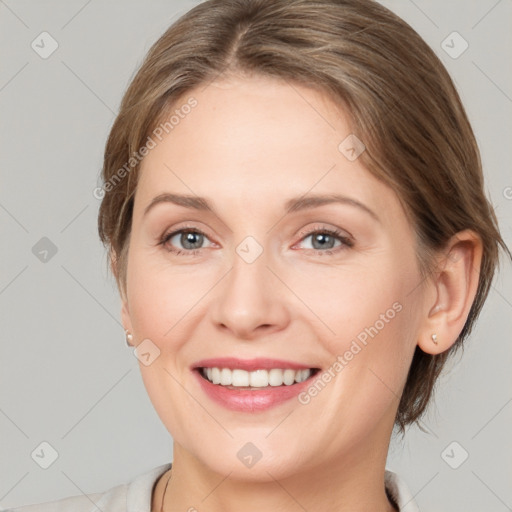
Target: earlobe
[454, 287]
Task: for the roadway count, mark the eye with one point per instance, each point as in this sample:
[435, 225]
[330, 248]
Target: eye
[191, 240]
[324, 240]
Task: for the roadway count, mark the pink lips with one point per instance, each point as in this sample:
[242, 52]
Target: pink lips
[249, 400]
[249, 364]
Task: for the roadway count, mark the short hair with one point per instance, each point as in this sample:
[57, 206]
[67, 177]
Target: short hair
[400, 100]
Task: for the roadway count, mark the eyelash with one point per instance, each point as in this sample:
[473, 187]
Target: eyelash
[346, 241]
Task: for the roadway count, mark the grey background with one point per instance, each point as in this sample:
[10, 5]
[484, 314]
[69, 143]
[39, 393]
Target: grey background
[66, 376]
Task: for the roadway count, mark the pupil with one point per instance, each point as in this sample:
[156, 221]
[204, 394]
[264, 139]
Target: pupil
[323, 238]
[188, 238]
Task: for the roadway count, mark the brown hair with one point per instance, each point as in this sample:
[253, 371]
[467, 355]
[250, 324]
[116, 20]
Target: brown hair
[402, 104]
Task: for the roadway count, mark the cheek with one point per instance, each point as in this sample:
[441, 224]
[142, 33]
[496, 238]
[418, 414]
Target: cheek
[161, 311]
[161, 297]
[348, 302]
[368, 322]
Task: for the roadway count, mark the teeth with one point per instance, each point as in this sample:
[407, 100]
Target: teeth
[255, 379]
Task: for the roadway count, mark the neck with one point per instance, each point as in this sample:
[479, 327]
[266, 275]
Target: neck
[349, 482]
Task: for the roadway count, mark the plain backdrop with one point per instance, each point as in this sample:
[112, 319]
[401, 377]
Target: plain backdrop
[66, 376]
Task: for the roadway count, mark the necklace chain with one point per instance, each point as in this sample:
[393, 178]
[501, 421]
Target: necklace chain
[165, 491]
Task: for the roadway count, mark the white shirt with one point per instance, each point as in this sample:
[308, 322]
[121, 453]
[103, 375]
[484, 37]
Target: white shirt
[136, 496]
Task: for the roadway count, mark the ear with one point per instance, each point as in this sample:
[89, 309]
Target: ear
[125, 316]
[125, 311]
[453, 288]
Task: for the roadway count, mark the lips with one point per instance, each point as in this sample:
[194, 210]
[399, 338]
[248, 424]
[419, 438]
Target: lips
[249, 365]
[252, 385]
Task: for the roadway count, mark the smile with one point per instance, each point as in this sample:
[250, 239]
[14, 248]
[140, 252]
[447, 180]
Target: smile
[251, 385]
[260, 378]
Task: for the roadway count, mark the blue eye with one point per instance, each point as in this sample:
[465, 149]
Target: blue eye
[192, 240]
[325, 238]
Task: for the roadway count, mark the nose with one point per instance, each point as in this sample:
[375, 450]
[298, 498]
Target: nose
[251, 301]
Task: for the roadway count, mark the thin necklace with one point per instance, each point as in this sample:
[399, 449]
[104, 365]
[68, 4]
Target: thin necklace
[165, 490]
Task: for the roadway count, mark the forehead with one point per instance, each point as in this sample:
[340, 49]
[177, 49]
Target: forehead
[257, 141]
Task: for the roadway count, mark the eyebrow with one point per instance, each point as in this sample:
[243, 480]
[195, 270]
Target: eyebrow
[291, 205]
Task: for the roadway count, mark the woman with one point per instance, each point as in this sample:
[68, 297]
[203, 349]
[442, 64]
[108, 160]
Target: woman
[294, 210]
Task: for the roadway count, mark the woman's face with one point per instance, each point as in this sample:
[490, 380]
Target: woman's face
[252, 281]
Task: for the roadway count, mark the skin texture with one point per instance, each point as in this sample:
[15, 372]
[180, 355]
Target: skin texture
[248, 146]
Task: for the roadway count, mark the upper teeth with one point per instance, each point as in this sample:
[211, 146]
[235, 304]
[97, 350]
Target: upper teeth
[257, 378]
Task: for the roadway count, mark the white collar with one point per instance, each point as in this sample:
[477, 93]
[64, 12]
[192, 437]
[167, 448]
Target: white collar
[400, 492]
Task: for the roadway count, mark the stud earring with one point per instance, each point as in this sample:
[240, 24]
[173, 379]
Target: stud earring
[434, 338]
[129, 338]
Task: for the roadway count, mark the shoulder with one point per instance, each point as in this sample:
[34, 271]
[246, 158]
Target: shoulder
[115, 498]
[399, 491]
[133, 496]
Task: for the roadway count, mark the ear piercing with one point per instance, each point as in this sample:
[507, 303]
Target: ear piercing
[434, 338]
[129, 338]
